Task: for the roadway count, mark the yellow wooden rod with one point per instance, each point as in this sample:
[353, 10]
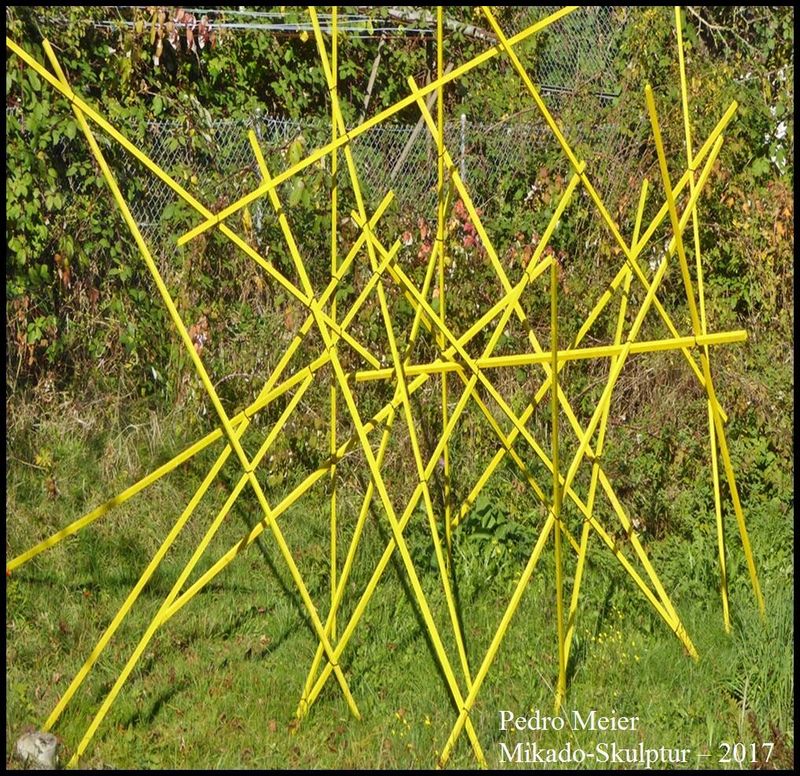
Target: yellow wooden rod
[143, 580]
[166, 178]
[701, 296]
[561, 684]
[585, 328]
[199, 551]
[440, 238]
[233, 441]
[334, 240]
[498, 638]
[562, 356]
[704, 360]
[570, 415]
[172, 535]
[121, 498]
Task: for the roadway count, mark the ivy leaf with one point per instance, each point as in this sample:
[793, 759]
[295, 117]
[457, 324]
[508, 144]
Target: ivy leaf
[759, 167]
[296, 194]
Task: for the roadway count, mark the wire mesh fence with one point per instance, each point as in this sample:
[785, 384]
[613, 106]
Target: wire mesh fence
[387, 157]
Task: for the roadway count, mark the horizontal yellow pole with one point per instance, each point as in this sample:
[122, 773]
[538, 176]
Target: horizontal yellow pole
[575, 354]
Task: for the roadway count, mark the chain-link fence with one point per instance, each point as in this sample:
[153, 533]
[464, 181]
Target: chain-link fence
[397, 157]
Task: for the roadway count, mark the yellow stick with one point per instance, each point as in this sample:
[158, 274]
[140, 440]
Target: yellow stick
[570, 415]
[334, 238]
[669, 614]
[309, 696]
[121, 498]
[562, 356]
[186, 196]
[561, 685]
[440, 238]
[387, 319]
[697, 328]
[699, 267]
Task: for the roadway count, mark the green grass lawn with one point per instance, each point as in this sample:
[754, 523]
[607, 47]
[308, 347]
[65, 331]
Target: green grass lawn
[218, 685]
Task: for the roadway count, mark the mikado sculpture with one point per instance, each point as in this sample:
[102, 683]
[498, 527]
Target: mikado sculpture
[470, 379]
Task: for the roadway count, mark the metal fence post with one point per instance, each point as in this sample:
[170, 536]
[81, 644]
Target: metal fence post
[258, 209]
[463, 148]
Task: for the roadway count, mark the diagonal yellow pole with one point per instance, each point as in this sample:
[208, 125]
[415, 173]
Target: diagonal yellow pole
[405, 555]
[610, 543]
[697, 328]
[374, 470]
[188, 198]
[699, 268]
[671, 618]
[674, 624]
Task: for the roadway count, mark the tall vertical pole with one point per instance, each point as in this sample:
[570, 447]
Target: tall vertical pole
[463, 148]
[698, 263]
[440, 240]
[561, 687]
[334, 267]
